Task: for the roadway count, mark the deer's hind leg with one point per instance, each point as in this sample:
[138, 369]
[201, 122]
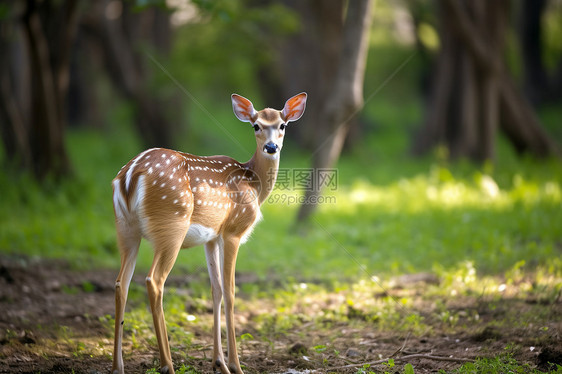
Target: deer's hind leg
[166, 249]
[128, 240]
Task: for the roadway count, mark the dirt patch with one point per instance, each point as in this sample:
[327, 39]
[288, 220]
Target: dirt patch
[48, 310]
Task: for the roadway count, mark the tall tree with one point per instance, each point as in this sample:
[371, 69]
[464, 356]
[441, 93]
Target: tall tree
[34, 84]
[342, 95]
[119, 33]
[309, 59]
[540, 84]
[473, 94]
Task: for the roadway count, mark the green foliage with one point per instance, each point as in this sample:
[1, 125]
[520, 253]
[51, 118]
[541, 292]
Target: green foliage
[381, 216]
[187, 370]
[66, 220]
[408, 369]
[182, 370]
[364, 370]
[501, 364]
[235, 30]
[319, 348]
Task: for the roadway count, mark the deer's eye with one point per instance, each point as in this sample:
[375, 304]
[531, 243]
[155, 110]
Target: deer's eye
[282, 127]
[256, 128]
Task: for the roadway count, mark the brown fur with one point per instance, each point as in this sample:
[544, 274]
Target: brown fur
[177, 200]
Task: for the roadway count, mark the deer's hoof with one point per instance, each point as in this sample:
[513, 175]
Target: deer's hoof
[235, 370]
[220, 368]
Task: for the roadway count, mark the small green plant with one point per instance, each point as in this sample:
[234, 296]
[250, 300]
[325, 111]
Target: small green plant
[408, 369]
[79, 349]
[187, 370]
[364, 370]
[88, 287]
[390, 364]
[320, 348]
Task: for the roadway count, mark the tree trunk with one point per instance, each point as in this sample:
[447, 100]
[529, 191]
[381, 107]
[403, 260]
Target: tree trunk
[466, 117]
[14, 128]
[530, 35]
[49, 83]
[118, 38]
[309, 60]
[344, 98]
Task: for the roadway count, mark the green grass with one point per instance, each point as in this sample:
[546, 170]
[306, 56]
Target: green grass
[501, 364]
[389, 214]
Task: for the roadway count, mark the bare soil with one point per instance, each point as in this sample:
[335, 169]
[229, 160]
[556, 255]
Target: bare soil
[46, 308]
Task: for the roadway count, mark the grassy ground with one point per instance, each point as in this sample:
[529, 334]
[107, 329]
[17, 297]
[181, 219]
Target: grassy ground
[388, 214]
[487, 238]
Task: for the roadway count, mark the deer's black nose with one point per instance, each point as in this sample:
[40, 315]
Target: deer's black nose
[270, 148]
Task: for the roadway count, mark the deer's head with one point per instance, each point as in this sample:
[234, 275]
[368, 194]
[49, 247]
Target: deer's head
[269, 124]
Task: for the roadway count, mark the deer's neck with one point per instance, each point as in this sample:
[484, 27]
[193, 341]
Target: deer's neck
[266, 169]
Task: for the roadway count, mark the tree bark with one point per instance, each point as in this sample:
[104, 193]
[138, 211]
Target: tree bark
[344, 98]
[530, 34]
[309, 61]
[49, 86]
[14, 129]
[118, 38]
[466, 119]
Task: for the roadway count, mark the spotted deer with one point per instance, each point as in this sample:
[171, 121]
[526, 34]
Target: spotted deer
[178, 200]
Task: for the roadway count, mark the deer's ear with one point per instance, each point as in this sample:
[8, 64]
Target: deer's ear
[243, 108]
[294, 107]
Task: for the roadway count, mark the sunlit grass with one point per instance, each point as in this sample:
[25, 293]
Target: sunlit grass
[392, 215]
[430, 221]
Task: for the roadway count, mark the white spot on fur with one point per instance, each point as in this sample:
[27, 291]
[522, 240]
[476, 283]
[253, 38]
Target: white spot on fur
[129, 174]
[119, 203]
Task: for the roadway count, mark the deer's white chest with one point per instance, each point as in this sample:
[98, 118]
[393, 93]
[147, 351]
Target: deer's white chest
[197, 235]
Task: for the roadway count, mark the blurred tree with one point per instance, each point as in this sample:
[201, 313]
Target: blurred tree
[36, 50]
[530, 31]
[34, 83]
[473, 93]
[341, 79]
[121, 32]
[308, 61]
[539, 84]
